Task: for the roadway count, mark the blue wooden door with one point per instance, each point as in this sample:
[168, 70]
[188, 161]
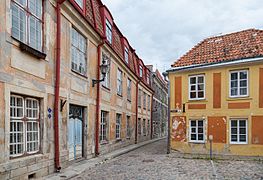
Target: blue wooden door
[75, 126]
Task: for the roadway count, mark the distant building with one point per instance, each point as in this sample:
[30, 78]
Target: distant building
[160, 103]
[217, 92]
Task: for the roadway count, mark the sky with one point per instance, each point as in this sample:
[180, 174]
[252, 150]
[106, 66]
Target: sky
[161, 31]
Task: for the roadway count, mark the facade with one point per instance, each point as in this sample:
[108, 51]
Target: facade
[160, 103]
[51, 111]
[217, 94]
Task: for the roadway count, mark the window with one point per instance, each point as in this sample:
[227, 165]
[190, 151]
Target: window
[140, 70]
[239, 83]
[106, 82]
[108, 31]
[119, 82]
[149, 103]
[148, 127]
[139, 126]
[80, 3]
[128, 127]
[144, 100]
[104, 126]
[129, 89]
[238, 131]
[144, 127]
[197, 131]
[24, 126]
[118, 126]
[78, 52]
[126, 55]
[139, 98]
[197, 87]
[27, 22]
[148, 78]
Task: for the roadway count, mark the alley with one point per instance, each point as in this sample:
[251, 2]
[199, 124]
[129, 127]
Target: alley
[152, 162]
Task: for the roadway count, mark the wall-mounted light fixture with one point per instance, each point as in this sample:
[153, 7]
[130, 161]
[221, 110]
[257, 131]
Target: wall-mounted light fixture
[104, 68]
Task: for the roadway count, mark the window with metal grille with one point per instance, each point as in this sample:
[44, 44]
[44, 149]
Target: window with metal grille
[118, 126]
[119, 82]
[104, 126]
[129, 89]
[144, 100]
[238, 131]
[128, 127]
[78, 52]
[197, 131]
[24, 125]
[197, 87]
[108, 31]
[27, 22]
[238, 83]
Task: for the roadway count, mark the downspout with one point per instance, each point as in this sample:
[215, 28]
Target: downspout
[152, 118]
[98, 101]
[136, 120]
[57, 86]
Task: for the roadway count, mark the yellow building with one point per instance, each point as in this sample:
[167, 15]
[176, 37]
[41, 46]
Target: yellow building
[217, 94]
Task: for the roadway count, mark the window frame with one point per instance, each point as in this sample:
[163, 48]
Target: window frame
[238, 83]
[118, 126]
[140, 98]
[105, 115]
[196, 87]
[79, 34]
[144, 131]
[196, 129]
[139, 127]
[80, 6]
[126, 54]
[128, 127]
[149, 102]
[144, 100]
[238, 129]
[119, 82]
[108, 31]
[27, 34]
[140, 71]
[26, 120]
[129, 89]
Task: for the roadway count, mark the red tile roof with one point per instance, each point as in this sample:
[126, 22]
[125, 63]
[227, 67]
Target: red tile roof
[230, 47]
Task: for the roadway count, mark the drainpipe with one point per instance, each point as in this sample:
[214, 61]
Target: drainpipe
[136, 120]
[98, 101]
[57, 85]
[152, 118]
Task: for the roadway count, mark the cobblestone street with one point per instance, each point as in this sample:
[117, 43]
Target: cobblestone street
[152, 162]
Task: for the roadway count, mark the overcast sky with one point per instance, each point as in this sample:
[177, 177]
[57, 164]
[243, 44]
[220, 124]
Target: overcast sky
[163, 30]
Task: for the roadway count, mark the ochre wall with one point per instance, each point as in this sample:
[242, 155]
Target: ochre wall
[217, 108]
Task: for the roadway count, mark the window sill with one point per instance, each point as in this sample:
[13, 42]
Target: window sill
[197, 142]
[26, 156]
[119, 95]
[104, 142]
[30, 50]
[78, 74]
[238, 98]
[118, 140]
[105, 88]
[238, 143]
[197, 100]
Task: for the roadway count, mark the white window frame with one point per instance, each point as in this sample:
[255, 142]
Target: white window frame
[238, 83]
[140, 70]
[104, 124]
[129, 84]
[108, 31]
[26, 32]
[118, 126]
[196, 87]
[77, 50]
[25, 120]
[119, 82]
[196, 131]
[106, 82]
[126, 54]
[238, 128]
[80, 3]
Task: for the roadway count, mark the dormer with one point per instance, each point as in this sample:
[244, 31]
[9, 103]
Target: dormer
[126, 50]
[80, 5]
[107, 20]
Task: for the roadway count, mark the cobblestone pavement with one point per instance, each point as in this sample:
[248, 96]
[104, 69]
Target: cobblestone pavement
[151, 162]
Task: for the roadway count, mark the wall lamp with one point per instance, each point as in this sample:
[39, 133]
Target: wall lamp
[104, 68]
